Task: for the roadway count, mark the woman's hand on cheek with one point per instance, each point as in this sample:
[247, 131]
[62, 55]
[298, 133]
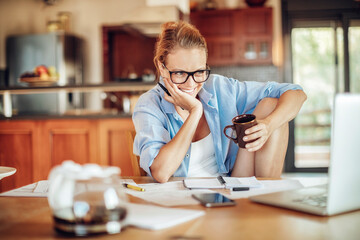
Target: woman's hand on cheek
[260, 132]
[179, 98]
[169, 87]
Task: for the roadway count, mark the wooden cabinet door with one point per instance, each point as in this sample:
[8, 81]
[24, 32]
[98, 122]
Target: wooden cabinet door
[67, 139]
[113, 144]
[221, 51]
[218, 28]
[17, 141]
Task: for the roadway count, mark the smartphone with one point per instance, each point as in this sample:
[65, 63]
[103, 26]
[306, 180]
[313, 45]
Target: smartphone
[164, 88]
[213, 200]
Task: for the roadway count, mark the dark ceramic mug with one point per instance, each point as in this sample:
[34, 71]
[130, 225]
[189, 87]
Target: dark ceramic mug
[240, 124]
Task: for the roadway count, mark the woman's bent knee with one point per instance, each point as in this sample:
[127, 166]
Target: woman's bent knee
[265, 107]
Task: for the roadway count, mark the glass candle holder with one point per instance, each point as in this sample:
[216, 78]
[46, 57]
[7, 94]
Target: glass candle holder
[87, 204]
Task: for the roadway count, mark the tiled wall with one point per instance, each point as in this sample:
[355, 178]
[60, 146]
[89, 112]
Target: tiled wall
[250, 73]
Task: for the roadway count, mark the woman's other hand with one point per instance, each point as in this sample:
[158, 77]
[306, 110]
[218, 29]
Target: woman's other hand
[260, 133]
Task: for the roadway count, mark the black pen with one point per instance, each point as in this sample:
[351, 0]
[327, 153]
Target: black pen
[240, 189]
[164, 88]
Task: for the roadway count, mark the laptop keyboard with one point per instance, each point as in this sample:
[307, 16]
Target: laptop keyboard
[314, 200]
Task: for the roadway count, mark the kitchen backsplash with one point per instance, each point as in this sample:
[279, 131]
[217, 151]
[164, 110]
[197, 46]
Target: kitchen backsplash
[249, 73]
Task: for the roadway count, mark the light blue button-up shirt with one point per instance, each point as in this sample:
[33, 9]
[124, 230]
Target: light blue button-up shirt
[157, 122]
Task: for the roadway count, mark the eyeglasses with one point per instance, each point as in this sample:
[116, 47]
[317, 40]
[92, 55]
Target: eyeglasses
[179, 77]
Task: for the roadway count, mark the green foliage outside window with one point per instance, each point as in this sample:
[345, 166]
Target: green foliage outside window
[314, 69]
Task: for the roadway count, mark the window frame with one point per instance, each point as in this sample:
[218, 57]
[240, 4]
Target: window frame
[342, 17]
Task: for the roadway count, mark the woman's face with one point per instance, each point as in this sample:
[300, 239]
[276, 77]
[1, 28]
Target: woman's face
[188, 60]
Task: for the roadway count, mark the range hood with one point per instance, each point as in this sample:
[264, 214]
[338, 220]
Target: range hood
[148, 20]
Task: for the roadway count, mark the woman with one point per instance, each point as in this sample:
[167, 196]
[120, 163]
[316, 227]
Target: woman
[181, 134]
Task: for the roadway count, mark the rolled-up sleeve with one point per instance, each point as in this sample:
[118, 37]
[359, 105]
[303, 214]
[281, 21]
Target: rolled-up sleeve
[251, 93]
[151, 133]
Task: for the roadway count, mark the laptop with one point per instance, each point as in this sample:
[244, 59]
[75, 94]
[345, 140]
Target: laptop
[342, 193]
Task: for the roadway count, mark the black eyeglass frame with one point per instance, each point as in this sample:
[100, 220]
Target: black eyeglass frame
[189, 74]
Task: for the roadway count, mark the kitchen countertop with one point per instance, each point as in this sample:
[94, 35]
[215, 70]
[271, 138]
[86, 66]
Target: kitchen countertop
[70, 114]
[65, 116]
[104, 87]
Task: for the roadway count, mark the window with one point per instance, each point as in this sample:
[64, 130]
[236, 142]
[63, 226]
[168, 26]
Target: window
[324, 58]
[315, 67]
[354, 55]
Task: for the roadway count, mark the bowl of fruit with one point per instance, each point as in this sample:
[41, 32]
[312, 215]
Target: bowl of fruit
[40, 76]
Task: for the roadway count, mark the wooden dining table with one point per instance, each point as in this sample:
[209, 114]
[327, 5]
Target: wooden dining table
[31, 218]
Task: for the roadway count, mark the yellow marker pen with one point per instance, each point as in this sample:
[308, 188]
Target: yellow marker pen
[134, 187]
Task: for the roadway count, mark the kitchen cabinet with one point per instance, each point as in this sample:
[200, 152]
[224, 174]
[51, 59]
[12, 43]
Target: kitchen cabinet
[234, 37]
[33, 147]
[255, 34]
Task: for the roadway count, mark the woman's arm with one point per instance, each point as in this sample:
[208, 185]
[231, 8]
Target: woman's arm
[289, 105]
[172, 154]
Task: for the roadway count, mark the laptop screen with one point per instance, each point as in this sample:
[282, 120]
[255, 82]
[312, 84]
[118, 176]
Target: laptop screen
[344, 177]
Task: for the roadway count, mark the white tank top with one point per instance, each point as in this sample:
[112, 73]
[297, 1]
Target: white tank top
[202, 160]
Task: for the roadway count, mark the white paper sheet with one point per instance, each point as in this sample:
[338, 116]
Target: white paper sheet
[168, 194]
[155, 218]
[269, 186]
[25, 191]
[40, 189]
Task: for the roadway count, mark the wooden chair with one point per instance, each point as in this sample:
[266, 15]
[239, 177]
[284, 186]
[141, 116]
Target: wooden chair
[137, 170]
